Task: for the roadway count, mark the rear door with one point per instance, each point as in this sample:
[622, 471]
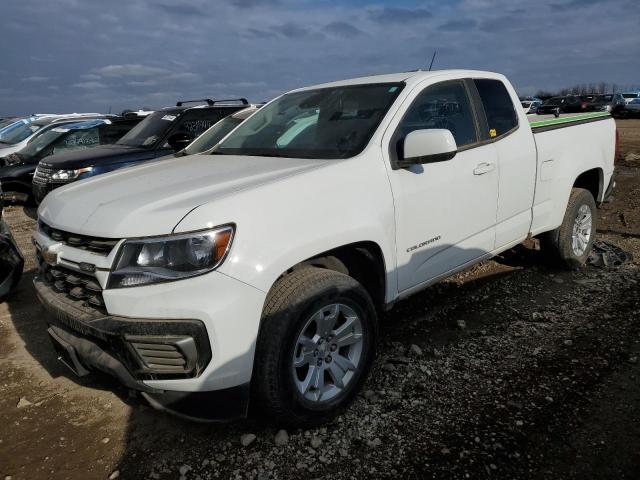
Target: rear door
[516, 153]
[445, 211]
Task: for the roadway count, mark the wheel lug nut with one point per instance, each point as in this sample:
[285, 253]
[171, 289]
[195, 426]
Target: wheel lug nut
[319, 362]
[333, 347]
[328, 359]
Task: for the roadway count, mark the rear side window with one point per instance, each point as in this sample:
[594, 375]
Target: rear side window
[443, 105]
[112, 133]
[498, 107]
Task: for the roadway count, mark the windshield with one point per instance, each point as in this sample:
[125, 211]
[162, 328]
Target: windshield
[18, 131]
[4, 123]
[39, 142]
[629, 95]
[328, 123]
[212, 136]
[150, 130]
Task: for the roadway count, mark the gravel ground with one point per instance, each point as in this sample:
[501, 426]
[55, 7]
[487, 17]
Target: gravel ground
[512, 370]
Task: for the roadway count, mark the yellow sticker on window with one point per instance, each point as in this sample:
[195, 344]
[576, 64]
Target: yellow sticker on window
[492, 132]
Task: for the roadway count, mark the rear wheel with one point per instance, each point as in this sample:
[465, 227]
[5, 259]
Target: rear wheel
[571, 243]
[315, 347]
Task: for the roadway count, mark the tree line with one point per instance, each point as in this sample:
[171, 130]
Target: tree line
[586, 88]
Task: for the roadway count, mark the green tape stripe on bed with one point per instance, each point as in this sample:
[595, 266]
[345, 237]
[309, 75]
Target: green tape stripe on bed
[572, 118]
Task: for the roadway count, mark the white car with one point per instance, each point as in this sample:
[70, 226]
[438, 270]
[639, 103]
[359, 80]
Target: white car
[15, 136]
[257, 273]
[530, 106]
[633, 107]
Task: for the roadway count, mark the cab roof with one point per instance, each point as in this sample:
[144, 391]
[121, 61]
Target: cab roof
[409, 78]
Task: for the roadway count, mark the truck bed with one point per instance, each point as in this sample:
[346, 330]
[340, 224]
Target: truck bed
[541, 123]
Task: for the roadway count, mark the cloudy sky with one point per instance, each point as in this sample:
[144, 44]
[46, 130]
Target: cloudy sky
[92, 55]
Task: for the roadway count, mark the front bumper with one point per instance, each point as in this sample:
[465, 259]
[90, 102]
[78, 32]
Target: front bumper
[220, 313]
[88, 342]
[147, 349]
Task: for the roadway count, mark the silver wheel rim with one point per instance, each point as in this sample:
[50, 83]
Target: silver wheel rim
[327, 353]
[581, 230]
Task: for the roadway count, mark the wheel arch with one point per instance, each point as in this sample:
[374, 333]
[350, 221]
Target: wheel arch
[593, 181]
[363, 260]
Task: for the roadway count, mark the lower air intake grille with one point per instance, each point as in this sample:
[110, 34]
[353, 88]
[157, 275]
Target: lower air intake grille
[166, 355]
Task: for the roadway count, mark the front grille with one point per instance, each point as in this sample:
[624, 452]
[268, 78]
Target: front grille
[102, 246]
[79, 287]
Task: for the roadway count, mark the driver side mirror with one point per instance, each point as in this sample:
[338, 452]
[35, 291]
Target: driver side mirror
[178, 141]
[427, 146]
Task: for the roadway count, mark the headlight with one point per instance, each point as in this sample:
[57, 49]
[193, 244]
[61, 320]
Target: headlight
[69, 174]
[173, 257]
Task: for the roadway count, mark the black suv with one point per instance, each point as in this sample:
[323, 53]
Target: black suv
[564, 104]
[613, 103]
[164, 131]
[16, 169]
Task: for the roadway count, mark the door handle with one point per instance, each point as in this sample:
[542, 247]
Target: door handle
[484, 167]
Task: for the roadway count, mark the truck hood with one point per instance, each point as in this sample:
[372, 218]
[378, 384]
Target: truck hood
[152, 198]
[101, 155]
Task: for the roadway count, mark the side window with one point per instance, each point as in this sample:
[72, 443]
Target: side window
[498, 107]
[444, 105]
[112, 133]
[78, 139]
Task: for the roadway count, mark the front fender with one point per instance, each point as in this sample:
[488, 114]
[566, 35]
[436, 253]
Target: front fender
[283, 223]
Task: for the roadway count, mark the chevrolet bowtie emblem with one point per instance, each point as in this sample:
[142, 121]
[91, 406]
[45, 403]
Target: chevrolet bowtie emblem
[50, 256]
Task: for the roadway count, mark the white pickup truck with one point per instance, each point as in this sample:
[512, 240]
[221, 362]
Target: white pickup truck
[259, 271]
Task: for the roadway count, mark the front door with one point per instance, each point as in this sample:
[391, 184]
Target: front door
[445, 211]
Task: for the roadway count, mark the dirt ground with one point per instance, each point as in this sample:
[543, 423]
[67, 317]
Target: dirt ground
[513, 370]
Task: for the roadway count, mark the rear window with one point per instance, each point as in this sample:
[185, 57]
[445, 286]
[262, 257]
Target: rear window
[630, 95]
[498, 107]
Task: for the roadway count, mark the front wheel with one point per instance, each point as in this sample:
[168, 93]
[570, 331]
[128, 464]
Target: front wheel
[315, 347]
[571, 243]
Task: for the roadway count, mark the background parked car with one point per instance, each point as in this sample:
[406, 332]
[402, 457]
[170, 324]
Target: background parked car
[16, 172]
[613, 103]
[565, 104]
[15, 136]
[160, 133]
[530, 106]
[211, 137]
[630, 96]
[11, 260]
[633, 107]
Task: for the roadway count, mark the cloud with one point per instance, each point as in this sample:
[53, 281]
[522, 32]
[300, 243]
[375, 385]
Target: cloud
[90, 76]
[181, 10]
[35, 78]
[342, 29]
[291, 30]
[458, 25]
[153, 52]
[253, 3]
[399, 15]
[128, 70]
[89, 85]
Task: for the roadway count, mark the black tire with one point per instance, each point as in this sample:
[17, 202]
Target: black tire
[289, 305]
[559, 242]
